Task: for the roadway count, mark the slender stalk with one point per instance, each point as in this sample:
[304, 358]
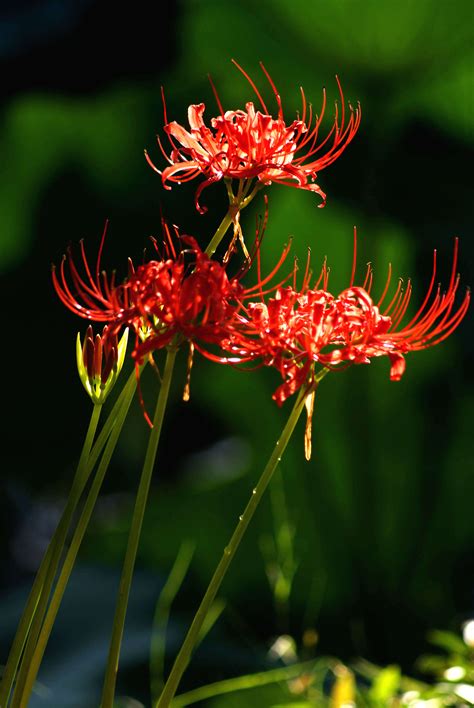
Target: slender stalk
[33, 614]
[236, 204]
[134, 536]
[221, 232]
[102, 438]
[37, 588]
[71, 555]
[191, 639]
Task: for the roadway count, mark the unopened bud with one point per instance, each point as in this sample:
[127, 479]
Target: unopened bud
[99, 361]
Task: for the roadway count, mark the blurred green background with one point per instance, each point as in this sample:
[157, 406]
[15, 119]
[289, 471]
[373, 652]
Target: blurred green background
[374, 537]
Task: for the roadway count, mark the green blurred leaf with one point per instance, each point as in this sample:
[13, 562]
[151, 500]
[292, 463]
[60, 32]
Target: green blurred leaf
[448, 641]
[432, 664]
[386, 685]
[375, 37]
[44, 135]
[446, 97]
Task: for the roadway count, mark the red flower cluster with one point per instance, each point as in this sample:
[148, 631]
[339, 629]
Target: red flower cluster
[160, 299]
[297, 329]
[183, 295]
[170, 301]
[176, 299]
[250, 144]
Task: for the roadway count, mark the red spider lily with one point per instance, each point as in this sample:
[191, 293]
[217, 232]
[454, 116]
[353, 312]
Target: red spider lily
[297, 329]
[182, 296]
[196, 301]
[250, 144]
[160, 299]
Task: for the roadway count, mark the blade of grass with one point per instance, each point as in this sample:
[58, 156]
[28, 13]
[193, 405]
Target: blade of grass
[160, 621]
[243, 683]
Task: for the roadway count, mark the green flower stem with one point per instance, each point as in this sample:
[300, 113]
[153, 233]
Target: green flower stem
[192, 636]
[102, 438]
[33, 614]
[36, 591]
[134, 536]
[71, 555]
[236, 204]
[221, 232]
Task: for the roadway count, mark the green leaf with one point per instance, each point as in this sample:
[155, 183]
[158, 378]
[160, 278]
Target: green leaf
[244, 683]
[448, 641]
[386, 684]
[87, 134]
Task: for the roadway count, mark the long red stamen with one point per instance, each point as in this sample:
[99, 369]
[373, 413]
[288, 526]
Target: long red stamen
[252, 84]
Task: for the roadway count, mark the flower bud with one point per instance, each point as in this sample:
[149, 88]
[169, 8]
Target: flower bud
[99, 361]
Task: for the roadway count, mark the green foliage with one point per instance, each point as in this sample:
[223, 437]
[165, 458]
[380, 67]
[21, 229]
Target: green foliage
[332, 684]
[42, 135]
[385, 686]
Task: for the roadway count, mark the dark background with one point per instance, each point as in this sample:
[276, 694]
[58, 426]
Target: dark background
[382, 515]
